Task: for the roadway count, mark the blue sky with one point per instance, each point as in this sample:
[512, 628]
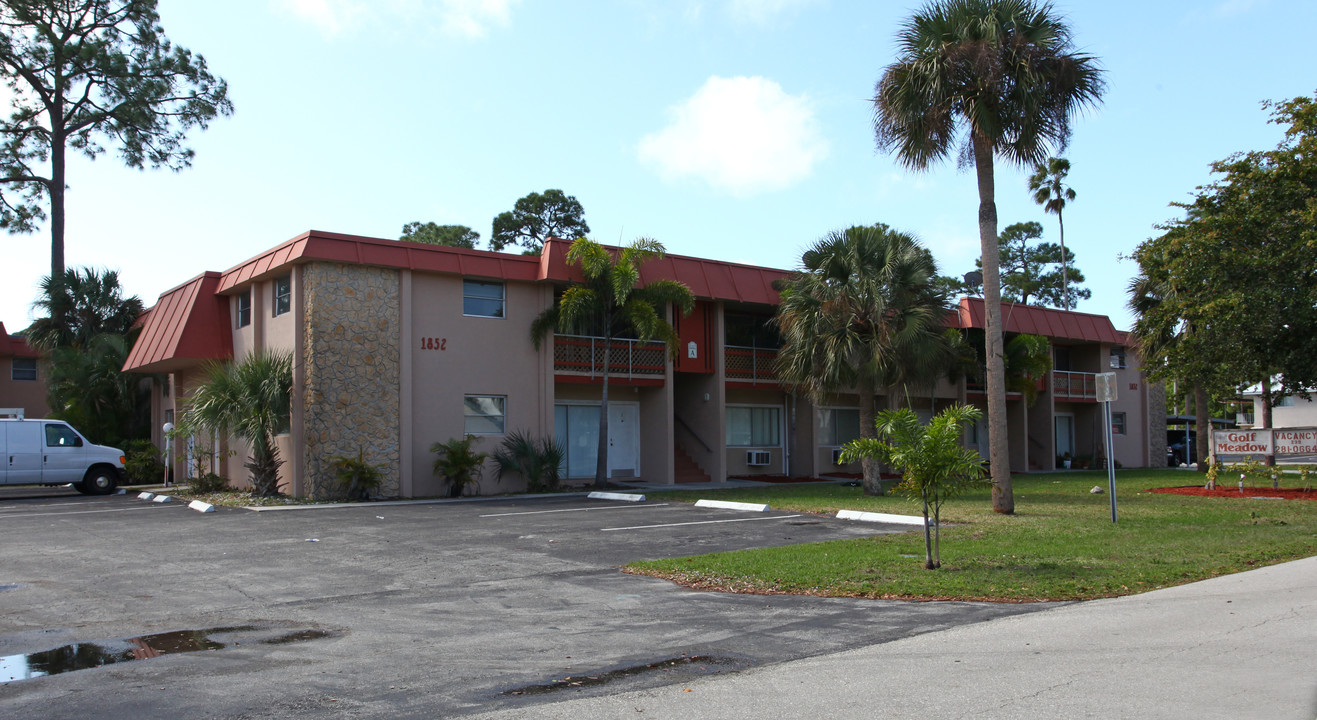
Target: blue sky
[732, 129]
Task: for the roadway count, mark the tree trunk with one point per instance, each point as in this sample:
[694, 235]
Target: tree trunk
[601, 463]
[1065, 272]
[1266, 418]
[873, 479]
[928, 541]
[1203, 427]
[937, 535]
[1003, 498]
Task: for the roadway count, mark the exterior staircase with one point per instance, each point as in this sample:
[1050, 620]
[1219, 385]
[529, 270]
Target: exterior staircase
[685, 470]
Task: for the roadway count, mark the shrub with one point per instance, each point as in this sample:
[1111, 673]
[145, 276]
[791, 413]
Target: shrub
[142, 464]
[208, 482]
[538, 461]
[355, 478]
[458, 464]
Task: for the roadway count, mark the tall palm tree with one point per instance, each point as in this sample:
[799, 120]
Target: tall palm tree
[1002, 74]
[1049, 190]
[80, 304]
[609, 301]
[862, 301]
[250, 399]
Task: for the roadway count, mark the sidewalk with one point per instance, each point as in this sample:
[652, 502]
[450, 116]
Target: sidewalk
[1239, 646]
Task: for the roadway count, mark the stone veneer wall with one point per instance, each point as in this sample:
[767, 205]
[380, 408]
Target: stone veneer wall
[1156, 423]
[352, 365]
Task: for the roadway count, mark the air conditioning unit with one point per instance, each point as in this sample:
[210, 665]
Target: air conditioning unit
[836, 456]
[758, 458]
[1117, 361]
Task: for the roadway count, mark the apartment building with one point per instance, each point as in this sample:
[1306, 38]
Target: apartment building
[22, 387]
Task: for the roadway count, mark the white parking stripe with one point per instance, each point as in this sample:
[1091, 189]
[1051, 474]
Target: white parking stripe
[701, 522]
[89, 512]
[610, 507]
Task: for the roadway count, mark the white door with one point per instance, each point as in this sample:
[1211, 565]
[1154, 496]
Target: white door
[23, 452]
[64, 459]
[623, 440]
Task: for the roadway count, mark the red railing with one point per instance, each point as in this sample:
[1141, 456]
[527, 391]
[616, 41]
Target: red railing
[585, 355]
[748, 363]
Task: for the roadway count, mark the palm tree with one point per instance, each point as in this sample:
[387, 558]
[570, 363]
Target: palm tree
[1049, 190]
[610, 301]
[250, 399]
[80, 304]
[1004, 75]
[864, 300]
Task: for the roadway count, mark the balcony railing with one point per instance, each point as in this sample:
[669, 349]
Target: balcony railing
[1074, 385]
[749, 363]
[583, 354]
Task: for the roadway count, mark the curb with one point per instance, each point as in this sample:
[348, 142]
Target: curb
[728, 505]
[624, 497]
[880, 517]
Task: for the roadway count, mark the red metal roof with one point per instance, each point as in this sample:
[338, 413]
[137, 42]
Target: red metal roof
[707, 279]
[354, 250]
[15, 346]
[190, 323]
[1048, 322]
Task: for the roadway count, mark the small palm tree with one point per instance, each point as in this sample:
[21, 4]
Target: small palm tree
[935, 465]
[851, 318]
[251, 400]
[1004, 76]
[1049, 190]
[609, 301]
[458, 463]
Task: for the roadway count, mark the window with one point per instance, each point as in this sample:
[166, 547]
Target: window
[838, 426]
[1117, 356]
[62, 436]
[283, 295]
[23, 369]
[245, 309]
[1118, 423]
[482, 299]
[485, 414]
[754, 427]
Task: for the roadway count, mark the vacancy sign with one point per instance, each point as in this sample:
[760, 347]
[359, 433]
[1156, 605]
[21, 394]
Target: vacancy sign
[1296, 442]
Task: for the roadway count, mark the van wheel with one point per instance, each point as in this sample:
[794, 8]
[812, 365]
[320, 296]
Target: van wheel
[100, 481]
[80, 487]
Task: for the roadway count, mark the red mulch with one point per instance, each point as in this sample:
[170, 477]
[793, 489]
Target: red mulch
[830, 477]
[1233, 492]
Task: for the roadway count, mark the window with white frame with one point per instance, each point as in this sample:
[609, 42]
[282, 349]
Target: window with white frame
[838, 426]
[481, 298]
[283, 295]
[1286, 401]
[23, 369]
[1118, 423]
[245, 308]
[485, 414]
[754, 426]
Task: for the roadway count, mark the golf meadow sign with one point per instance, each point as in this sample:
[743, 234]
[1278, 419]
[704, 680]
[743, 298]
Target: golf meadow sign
[1265, 441]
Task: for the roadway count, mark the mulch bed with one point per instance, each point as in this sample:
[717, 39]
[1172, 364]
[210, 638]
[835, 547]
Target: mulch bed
[1233, 492]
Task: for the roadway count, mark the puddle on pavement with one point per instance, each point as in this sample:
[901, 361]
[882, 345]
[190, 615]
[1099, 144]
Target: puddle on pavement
[695, 664]
[83, 656]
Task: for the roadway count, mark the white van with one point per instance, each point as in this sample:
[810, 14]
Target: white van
[49, 452]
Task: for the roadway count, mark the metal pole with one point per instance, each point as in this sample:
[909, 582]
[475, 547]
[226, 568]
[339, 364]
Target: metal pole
[1111, 457]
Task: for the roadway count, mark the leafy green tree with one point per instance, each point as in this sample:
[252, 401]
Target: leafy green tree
[1049, 190]
[537, 217]
[863, 299]
[449, 235]
[86, 74]
[934, 463]
[79, 305]
[250, 399]
[1029, 272]
[610, 301]
[1004, 75]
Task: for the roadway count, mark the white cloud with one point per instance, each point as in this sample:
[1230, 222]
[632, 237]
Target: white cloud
[462, 18]
[1234, 8]
[744, 135]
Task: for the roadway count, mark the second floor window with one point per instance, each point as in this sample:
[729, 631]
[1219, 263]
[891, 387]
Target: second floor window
[23, 369]
[283, 295]
[245, 309]
[1117, 356]
[482, 299]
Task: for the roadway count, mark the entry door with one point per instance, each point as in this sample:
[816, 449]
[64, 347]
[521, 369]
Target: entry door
[623, 440]
[23, 452]
[1065, 435]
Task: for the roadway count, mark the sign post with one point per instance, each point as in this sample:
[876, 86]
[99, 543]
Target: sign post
[1106, 394]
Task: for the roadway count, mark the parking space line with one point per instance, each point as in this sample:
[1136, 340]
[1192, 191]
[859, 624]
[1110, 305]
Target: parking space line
[700, 522]
[609, 507]
[89, 512]
[19, 508]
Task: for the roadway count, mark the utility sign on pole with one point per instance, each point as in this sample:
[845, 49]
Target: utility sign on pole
[1106, 394]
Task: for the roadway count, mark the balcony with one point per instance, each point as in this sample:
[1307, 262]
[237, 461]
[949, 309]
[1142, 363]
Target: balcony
[1074, 385]
[584, 355]
[751, 364]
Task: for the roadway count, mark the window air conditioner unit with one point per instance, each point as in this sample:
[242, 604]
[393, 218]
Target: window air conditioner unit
[836, 456]
[758, 458]
[1117, 362]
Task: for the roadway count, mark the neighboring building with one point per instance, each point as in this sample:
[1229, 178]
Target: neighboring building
[398, 345]
[22, 386]
[1289, 412]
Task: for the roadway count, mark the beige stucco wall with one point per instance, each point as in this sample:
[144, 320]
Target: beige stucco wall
[352, 351]
[30, 395]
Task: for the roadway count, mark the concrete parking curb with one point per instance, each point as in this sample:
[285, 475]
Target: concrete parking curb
[879, 517]
[200, 506]
[624, 497]
[728, 505]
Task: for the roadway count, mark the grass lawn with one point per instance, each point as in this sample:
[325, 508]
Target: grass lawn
[1060, 544]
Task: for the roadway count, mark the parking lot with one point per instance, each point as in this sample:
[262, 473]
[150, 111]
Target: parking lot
[416, 610]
